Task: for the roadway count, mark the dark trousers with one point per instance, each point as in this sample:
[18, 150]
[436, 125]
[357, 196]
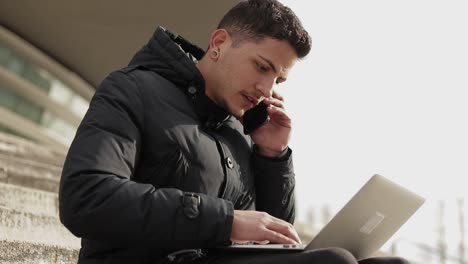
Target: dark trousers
[321, 256]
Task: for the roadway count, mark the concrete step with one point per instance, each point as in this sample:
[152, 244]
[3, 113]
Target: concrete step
[29, 173]
[20, 252]
[21, 148]
[30, 230]
[16, 225]
[28, 200]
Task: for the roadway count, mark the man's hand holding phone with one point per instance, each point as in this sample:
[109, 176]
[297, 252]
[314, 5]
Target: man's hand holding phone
[273, 137]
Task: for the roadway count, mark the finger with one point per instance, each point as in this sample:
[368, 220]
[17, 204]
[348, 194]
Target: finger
[277, 96]
[279, 116]
[274, 102]
[278, 238]
[282, 226]
[289, 231]
[285, 228]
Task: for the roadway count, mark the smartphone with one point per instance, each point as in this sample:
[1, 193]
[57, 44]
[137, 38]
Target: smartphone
[255, 118]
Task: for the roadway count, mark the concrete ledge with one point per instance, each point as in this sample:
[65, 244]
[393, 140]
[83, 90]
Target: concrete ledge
[23, 226]
[28, 200]
[21, 148]
[29, 173]
[17, 252]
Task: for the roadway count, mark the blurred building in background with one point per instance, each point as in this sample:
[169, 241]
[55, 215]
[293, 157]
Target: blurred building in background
[52, 61]
[39, 99]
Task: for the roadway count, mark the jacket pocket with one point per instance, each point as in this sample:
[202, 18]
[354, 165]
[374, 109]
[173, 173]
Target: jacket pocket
[170, 171]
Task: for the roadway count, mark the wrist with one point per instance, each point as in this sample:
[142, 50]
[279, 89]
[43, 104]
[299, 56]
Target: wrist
[270, 153]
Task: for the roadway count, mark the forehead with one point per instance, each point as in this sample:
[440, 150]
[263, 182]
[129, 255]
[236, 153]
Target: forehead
[278, 52]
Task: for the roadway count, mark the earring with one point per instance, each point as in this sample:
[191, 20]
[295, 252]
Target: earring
[215, 54]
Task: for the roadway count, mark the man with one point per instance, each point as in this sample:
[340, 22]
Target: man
[160, 169]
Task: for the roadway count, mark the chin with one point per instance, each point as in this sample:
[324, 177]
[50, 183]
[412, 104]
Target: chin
[237, 115]
[237, 112]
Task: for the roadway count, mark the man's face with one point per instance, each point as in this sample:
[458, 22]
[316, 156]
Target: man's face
[245, 74]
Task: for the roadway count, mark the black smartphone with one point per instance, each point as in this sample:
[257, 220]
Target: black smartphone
[255, 118]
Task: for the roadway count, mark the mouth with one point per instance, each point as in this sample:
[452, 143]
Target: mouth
[251, 101]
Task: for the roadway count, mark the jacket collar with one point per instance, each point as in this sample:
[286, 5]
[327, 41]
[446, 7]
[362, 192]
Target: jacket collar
[174, 58]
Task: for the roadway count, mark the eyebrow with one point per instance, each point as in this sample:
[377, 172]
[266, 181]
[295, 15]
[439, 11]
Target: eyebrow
[269, 62]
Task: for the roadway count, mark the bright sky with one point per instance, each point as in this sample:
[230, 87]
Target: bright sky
[384, 91]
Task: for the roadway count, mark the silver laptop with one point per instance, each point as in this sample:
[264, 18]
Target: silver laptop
[364, 224]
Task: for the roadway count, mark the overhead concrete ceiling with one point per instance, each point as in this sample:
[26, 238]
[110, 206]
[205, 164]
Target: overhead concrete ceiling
[93, 38]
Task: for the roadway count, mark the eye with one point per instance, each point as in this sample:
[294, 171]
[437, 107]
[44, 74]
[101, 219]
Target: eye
[280, 80]
[261, 67]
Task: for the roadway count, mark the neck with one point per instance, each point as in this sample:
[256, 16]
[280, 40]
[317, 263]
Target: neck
[204, 66]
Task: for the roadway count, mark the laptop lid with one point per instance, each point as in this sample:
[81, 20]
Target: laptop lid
[369, 219]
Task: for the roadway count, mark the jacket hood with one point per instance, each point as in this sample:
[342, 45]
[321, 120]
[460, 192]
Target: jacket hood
[175, 58]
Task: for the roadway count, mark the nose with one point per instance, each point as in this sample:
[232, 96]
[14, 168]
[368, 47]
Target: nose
[265, 87]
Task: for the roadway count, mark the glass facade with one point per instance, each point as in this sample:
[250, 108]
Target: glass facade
[55, 127]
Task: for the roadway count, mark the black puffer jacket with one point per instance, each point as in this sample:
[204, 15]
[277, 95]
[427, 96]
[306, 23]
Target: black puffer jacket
[156, 166]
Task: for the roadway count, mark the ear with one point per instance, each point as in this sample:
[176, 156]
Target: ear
[220, 39]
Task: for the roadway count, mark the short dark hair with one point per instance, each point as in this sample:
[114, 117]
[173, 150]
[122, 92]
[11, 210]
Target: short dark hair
[253, 20]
